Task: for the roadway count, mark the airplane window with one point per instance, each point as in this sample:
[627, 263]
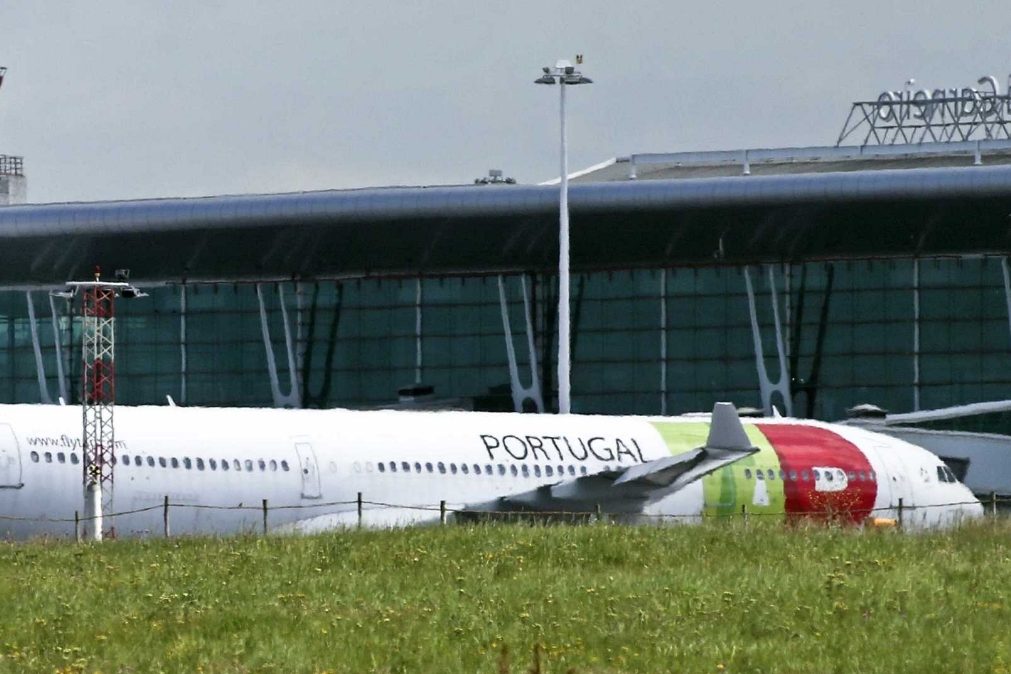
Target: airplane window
[125, 458]
[236, 464]
[49, 457]
[150, 461]
[393, 467]
[382, 467]
[442, 467]
[35, 456]
[249, 464]
[224, 464]
[61, 457]
[817, 474]
[851, 476]
[464, 468]
[512, 469]
[284, 465]
[782, 474]
[175, 462]
[549, 471]
[113, 461]
[941, 477]
[582, 470]
[537, 471]
[871, 476]
[501, 469]
[428, 467]
[273, 464]
[861, 476]
[771, 474]
[572, 469]
[525, 470]
[262, 464]
[200, 464]
[212, 463]
[951, 475]
[747, 473]
[477, 469]
[452, 468]
[73, 458]
[759, 475]
[187, 463]
[804, 475]
[829, 476]
[404, 466]
[793, 475]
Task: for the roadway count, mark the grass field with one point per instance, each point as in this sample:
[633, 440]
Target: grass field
[717, 597]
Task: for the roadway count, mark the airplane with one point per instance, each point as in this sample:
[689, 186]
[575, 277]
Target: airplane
[311, 466]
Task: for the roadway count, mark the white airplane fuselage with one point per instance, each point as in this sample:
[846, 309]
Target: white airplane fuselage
[405, 463]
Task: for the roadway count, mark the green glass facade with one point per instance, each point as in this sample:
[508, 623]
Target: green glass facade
[901, 333]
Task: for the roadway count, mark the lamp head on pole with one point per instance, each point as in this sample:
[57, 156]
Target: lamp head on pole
[563, 73]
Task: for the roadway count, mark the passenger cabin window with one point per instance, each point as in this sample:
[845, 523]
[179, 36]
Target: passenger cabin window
[73, 458]
[61, 457]
[213, 463]
[428, 467]
[284, 465]
[175, 462]
[187, 463]
[224, 464]
[747, 473]
[382, 467]
[35, 456]
[442, 468]
[248, 463]
[200, 464]
[150, 461]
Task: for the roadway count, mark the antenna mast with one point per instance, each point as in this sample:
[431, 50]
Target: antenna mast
[98, 392]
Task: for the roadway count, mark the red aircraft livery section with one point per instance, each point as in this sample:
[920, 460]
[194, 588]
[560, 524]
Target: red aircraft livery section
[827, 475]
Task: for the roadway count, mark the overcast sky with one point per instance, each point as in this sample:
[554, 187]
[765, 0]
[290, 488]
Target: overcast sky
[111, 100]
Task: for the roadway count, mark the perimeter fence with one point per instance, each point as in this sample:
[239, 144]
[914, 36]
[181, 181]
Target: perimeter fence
[358, 511]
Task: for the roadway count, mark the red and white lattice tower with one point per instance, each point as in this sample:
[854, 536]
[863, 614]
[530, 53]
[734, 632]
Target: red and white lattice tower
[98, 391]
[98, 396]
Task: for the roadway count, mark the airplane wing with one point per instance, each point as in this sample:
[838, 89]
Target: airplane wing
[630, 489]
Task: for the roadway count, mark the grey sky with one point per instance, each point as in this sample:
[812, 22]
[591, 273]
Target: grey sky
[140, 99]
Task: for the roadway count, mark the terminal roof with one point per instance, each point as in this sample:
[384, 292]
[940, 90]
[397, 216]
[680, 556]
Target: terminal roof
[487, 229]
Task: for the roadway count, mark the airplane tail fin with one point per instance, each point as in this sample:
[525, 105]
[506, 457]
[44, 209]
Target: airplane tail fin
[726, 430]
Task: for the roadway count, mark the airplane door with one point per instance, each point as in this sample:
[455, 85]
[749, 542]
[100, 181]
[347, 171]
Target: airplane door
[309, 470]
[10, 459]
[897, 479]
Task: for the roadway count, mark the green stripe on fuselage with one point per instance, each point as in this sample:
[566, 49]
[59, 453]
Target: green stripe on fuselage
[727, 489]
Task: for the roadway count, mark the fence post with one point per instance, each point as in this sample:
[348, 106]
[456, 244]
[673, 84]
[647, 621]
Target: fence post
[264, 517]
[165, 516]
[900, 512]
[993, 504]
[598, 513]
[442, 512]
[360, 510]
[77, 526]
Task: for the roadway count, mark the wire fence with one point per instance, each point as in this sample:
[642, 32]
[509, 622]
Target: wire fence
[360, 508]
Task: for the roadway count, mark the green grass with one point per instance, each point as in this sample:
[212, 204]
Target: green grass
[717, 597]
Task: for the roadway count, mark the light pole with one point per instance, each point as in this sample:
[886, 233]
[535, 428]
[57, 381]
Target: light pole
[564, 73]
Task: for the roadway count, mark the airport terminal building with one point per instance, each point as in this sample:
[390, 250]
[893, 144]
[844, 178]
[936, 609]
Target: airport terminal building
[809, 279]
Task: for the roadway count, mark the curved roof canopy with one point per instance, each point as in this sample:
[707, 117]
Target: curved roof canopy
[440, 230]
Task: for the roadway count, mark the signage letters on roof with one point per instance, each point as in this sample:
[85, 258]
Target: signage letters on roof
[932, 115]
